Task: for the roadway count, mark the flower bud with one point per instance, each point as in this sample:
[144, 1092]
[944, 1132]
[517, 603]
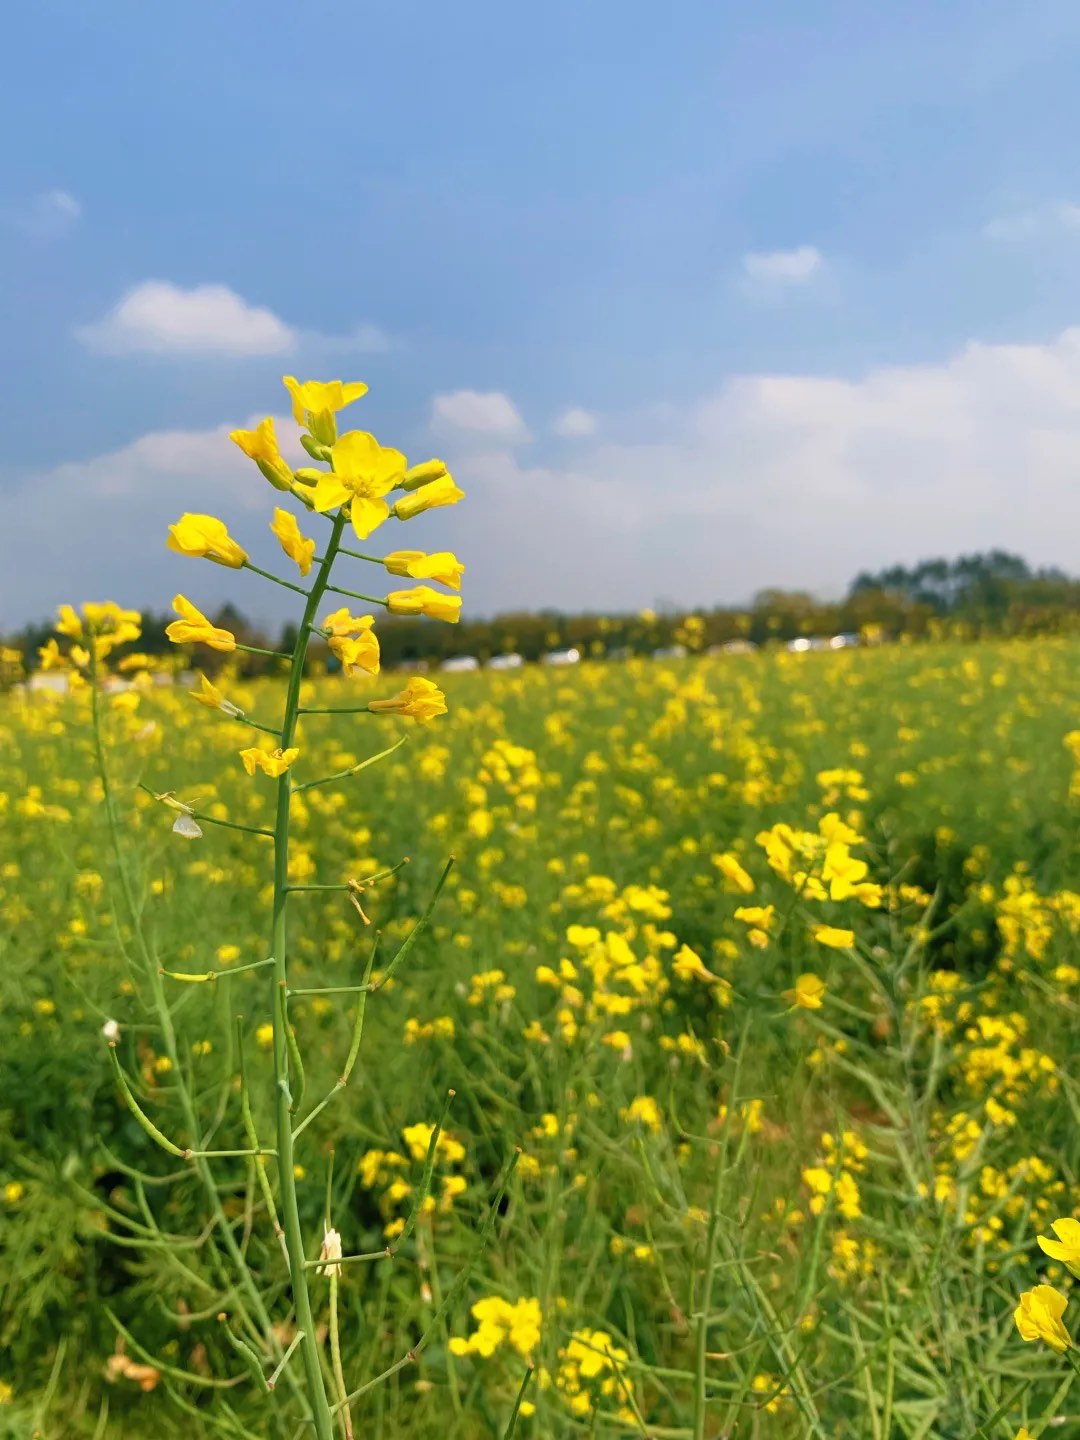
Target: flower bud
[323, 426]
[277, 480]
[438, 492]
[422, 600]
[313, 447]
[424, 474]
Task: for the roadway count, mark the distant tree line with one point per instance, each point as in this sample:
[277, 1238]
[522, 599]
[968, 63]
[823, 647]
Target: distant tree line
[995, 593]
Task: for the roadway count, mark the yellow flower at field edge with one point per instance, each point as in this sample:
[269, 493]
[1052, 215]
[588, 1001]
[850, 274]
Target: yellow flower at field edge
[321, 397]
[498, 1320]
[689, 966]
[807, 993]
[364, 471]
[194, 626]
[1066, 1247]
[734, 875]
[442, 566]
[833, 937]
[296, 546]
[270, 762]
[422, 699]
[204, 537]
[429, 497]
[1038, 1317]
[261, 446]
[422, 600]
[644, 1111]
[68, 623]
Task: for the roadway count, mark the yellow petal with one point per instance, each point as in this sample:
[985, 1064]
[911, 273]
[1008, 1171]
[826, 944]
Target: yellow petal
[367, 515]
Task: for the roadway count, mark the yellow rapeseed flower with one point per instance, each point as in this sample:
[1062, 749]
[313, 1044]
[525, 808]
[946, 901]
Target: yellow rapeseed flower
[364, 471]
[429, 497]
[422, 600]
[645, 1111]
[296, 546]
[359, 651]
[833, 937]
[210, 696]
[261, 446]
[1066, 1247]
[68, 623]
[807, 994]
[270, 762]
[735, 876]
[205, 537]
[422, 699]
[689, 966]
[194, 626]
[321, 397]
[1038, 1317]
[419, 475]
[443, 566]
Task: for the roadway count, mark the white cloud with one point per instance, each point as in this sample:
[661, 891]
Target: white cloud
[488, 414]
[1063, 217]
[49, 215]
[575, 423]
[782, 267]
[794, 480]
[363, 340]
[160, 318]
[157, 463]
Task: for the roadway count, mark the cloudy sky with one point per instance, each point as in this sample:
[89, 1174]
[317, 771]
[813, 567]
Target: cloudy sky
[693, 301]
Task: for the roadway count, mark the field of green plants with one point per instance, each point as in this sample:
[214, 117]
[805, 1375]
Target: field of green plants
[746, 1016]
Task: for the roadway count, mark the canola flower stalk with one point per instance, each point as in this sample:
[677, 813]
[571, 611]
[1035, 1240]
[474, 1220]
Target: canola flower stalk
[351, 491]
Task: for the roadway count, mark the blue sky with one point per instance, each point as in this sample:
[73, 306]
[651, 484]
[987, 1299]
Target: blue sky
[694, 301]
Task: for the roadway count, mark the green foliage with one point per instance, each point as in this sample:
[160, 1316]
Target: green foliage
[735, 1318]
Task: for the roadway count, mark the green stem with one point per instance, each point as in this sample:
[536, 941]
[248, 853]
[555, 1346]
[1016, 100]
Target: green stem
[288, 584]
[357, 595]
[294, 1240]
[258, 650]
[209, 819]
[359, 555]
[231, 824]
[334, 710]
[352, 770]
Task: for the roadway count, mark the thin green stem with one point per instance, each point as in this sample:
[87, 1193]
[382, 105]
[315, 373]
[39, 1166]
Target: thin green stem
[328, 990]
[294, 1240]
[232, 825]
[359, 555]
[296, 1340]
[352, 770]
[357, 595]
[258, 650]
[204, 975]
[212, 820]
[288, 584]
[334, 710]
